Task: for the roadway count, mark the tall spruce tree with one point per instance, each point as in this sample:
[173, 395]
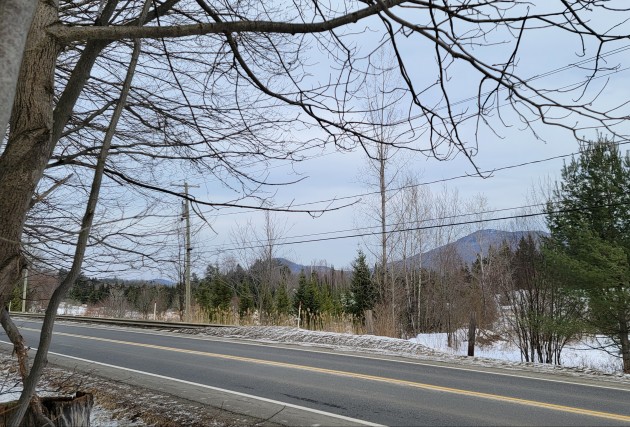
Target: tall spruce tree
[589, 221]
[364, 291]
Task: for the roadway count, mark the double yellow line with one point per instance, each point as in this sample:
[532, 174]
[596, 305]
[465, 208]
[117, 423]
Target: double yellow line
[423, 386]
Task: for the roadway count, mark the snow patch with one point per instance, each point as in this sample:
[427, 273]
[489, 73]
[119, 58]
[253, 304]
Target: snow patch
[67, 309]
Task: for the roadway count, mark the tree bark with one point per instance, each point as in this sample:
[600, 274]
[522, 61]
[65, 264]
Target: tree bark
[67, 34]
[29, 145]
[472, 332]
[65, 411]
[15, 19]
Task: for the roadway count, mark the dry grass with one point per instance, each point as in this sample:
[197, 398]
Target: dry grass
[324, 322]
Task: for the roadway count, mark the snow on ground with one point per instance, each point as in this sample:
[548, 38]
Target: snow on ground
[580, 359]
[67, 309]
[580, 355]
[101, 417]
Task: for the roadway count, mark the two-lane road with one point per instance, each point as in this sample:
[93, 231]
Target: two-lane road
[350, 387]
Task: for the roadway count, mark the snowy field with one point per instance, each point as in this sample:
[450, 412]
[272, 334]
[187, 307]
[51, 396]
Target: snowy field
[582, 355]
[67, 309]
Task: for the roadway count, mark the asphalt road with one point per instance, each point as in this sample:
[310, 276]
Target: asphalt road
[336, 388]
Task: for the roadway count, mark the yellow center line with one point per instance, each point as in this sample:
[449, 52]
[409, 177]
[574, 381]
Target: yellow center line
[423, 386]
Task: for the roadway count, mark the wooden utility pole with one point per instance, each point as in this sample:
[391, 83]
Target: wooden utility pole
[188, 250]
[188, 246]
[24, 290]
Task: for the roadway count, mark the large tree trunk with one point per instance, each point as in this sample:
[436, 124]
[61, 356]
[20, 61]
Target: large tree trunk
[472, 333]
[29, 145]
[15, 19]
[26, 154]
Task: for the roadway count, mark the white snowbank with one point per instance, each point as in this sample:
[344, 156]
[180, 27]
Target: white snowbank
[67, 309]
[582, 355]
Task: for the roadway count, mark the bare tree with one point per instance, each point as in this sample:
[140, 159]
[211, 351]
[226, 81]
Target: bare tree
[383, 94]
[447, 265]
[411, 212]
[258, 248]
[116, 304]
[481, 294]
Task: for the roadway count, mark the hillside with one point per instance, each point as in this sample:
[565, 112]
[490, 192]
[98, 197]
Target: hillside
[467, 248]
[297, 268]
[480, 241]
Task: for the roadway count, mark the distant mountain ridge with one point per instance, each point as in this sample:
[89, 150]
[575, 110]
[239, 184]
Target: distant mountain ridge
[295, 268]
[468, 247]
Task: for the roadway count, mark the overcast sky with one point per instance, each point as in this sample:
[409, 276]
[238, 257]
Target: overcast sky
[330, 173]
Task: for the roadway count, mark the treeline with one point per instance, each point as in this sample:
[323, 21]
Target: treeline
[124, 298]
[511, 283]
[541, 291]
[268, 293]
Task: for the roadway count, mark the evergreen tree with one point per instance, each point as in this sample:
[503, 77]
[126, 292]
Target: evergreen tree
[283, 304]
[362, 288]
[246, 299]
[306, 299]
[589, 221]
[221, 293]
[203, 294]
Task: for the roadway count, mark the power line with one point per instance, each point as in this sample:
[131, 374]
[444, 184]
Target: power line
[419, 228]
[395, 226]
[488, 172]
[462, 101]
[479, 175]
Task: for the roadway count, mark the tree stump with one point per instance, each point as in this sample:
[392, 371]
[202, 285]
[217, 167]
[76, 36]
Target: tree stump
[61, 410]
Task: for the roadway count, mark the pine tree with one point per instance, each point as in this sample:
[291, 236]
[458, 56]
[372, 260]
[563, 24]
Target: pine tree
[282, 302]
[246, 299]
[305, 300]
[363, 289]
[589, 221]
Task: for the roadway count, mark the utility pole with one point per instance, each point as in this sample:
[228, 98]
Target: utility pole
[188, 246]
[188, 250]
[24, 290]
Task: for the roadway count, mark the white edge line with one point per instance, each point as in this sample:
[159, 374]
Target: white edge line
[249, 396]
[386, 357]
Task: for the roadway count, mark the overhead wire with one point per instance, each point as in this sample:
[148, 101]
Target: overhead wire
[425, 183]
[461, 101]
[417, 228]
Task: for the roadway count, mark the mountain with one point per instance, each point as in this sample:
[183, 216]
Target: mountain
[467, 248]
[296, 268]
[480, 241]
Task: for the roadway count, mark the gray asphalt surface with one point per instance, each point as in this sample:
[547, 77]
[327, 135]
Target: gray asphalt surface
[378, 390]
